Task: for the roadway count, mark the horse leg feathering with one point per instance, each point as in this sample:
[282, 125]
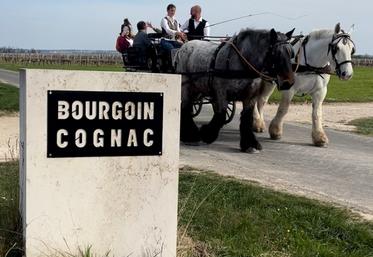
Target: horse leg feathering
[276, 126]
[266, 91]
[210, 132]
[319, 137]
[248, 140]
[189, 132]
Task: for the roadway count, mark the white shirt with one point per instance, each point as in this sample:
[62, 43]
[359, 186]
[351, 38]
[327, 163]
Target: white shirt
[130, 40]
[206, 31]
[166, 27]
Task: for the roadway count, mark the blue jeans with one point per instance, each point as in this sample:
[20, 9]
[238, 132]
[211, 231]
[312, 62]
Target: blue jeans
[168, 45]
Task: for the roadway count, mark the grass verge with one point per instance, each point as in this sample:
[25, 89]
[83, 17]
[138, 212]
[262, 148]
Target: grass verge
[221, 216]
[10, 223]
[364, 126]
[9, 98]
[238, 218]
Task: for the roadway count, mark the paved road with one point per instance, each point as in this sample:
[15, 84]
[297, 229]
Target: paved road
[342, 173]
[9, 77]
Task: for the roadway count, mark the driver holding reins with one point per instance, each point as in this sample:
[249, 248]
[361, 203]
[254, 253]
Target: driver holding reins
[196, 27]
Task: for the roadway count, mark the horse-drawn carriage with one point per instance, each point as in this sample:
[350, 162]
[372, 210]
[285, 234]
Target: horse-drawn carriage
[135, 59]
[218, 74]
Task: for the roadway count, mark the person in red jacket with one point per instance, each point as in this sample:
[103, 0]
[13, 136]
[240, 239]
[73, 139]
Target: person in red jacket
[124, 41]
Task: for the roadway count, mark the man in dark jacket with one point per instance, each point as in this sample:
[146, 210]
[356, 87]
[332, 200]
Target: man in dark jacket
[141, 39]
[196, 27]
[143, 42]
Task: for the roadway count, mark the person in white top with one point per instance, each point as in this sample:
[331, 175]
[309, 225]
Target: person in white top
[196, 27]
[173, 37]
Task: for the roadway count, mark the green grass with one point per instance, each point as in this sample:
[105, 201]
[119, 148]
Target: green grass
[243, 219]
[358, 89]
[364, 126]
[228, 217]
[9, 97]
[16, 67]
[10, 225]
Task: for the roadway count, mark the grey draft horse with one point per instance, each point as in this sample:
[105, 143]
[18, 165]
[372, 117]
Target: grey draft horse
[225, 72]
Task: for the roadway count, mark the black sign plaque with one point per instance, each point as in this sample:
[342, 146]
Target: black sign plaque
[94, 124]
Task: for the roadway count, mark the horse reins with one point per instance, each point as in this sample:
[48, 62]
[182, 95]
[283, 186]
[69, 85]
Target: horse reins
[251, 66]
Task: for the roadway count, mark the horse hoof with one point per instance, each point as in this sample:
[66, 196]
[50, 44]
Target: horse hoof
[190, 139]
[251, 150]
[208, 135]
[258, 130]
[275, 131]
[192, 143]
[320, 144]
[275, 136]
[259, 126]
[259, 146]
[320, 139]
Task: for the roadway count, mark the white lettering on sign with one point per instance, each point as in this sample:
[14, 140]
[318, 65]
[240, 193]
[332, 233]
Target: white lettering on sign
[80, 138]
[148, 111]
[104, 124]
[77, 110]
[130, 110]
[147, 133]
[132, 138]
[102, 110]
[116, 138]
[91, 110]
[60, 142]
[63, 110]
[98, 138]
[117, 111]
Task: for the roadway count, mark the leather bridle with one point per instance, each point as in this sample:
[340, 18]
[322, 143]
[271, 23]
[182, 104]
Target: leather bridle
[333, 48]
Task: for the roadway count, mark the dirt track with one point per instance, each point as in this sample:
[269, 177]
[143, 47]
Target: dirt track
[336, 115]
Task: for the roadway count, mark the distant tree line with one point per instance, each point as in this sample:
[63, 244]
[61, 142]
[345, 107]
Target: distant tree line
[17, 50]
[11, 50]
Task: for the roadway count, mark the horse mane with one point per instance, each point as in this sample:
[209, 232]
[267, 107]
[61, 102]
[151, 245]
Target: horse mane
[321, 33]
[254, 34]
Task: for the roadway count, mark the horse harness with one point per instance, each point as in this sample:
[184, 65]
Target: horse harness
[331, 48]
[239, 74]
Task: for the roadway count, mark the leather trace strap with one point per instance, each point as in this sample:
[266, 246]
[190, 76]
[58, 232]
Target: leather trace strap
[297, 55]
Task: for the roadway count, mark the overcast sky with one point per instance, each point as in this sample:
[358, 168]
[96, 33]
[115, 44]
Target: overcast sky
[95, 24]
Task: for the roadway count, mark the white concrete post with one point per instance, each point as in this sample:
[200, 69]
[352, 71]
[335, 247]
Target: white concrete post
[121, 198]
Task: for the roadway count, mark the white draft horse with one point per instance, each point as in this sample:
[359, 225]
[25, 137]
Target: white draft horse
[319, 53]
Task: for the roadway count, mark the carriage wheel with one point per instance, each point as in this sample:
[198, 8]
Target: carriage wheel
[197, 108]
[231, 110]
